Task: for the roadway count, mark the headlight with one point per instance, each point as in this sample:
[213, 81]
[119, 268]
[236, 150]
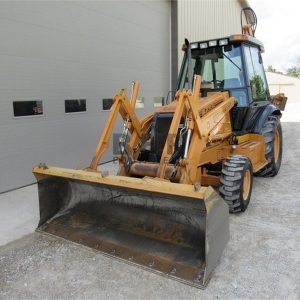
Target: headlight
[194, 45]
[212, 43]
[203, 45]
[223, 42]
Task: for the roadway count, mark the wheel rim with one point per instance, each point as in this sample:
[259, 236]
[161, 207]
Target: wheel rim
[276, 146]
[246, 184]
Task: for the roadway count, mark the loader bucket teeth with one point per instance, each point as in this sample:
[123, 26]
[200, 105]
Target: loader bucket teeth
[181, 236]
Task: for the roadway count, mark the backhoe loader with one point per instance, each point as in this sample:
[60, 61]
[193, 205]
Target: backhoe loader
[182, 168]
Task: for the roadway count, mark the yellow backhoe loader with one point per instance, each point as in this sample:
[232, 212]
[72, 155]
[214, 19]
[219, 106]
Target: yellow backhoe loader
[182, 168]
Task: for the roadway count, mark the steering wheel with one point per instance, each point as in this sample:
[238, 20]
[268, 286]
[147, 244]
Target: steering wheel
[220, 83]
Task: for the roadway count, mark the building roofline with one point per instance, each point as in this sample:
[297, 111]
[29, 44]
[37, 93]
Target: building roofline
[285, 75]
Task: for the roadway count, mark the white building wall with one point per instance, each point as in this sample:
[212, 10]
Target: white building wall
[207, 19]
[279, 83]
[290, 86]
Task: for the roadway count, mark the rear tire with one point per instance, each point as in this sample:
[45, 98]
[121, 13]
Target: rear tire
[236, 182]
[272, 133]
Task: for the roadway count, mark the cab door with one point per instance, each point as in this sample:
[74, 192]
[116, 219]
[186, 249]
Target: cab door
[258, 91]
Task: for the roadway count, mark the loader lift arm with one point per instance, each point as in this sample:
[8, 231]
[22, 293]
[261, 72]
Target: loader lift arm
[212, 126]
[126, 109]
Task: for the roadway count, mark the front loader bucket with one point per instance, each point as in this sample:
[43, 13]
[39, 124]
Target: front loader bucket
[165, 227]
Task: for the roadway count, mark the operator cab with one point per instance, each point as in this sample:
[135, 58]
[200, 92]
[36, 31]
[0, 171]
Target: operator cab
[232, 64]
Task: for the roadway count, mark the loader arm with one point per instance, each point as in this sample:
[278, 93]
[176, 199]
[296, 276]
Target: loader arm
[186, 101]
[212, 126]
[126, 109]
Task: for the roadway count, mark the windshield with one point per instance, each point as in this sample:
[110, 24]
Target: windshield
[220, 68]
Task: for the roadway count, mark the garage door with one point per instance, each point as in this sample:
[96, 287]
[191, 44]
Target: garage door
[61, 62]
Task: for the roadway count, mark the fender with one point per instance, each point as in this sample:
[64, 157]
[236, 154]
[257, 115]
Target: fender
[269, 110]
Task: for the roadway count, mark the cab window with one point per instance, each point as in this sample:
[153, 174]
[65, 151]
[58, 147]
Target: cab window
[221, 68]
[256, 74]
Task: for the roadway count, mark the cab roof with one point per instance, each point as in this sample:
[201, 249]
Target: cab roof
[232, 39]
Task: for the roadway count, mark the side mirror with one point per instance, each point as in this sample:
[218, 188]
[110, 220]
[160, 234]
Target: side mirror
[260, 58]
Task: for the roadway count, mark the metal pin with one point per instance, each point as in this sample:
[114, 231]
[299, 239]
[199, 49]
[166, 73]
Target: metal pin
[173, 271]
[130, 257]
[113, 251]
[151, 264]
[197, 186]
[199, 277]
[104, 173]
[43, 166]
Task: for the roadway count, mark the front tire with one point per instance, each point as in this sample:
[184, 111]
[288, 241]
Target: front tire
[272, 133]
[236, 182]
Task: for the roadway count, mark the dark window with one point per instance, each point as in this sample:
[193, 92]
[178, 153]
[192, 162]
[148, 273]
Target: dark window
[140, 102]
[107, 103]
[75, 105]
[158, 101]
[28, 108]
[220, 68]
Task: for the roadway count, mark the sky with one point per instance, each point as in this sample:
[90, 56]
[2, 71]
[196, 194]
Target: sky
[278, 27]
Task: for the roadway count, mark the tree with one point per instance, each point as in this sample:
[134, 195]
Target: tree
[258, 89]
[271, 69]
[294, 71]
